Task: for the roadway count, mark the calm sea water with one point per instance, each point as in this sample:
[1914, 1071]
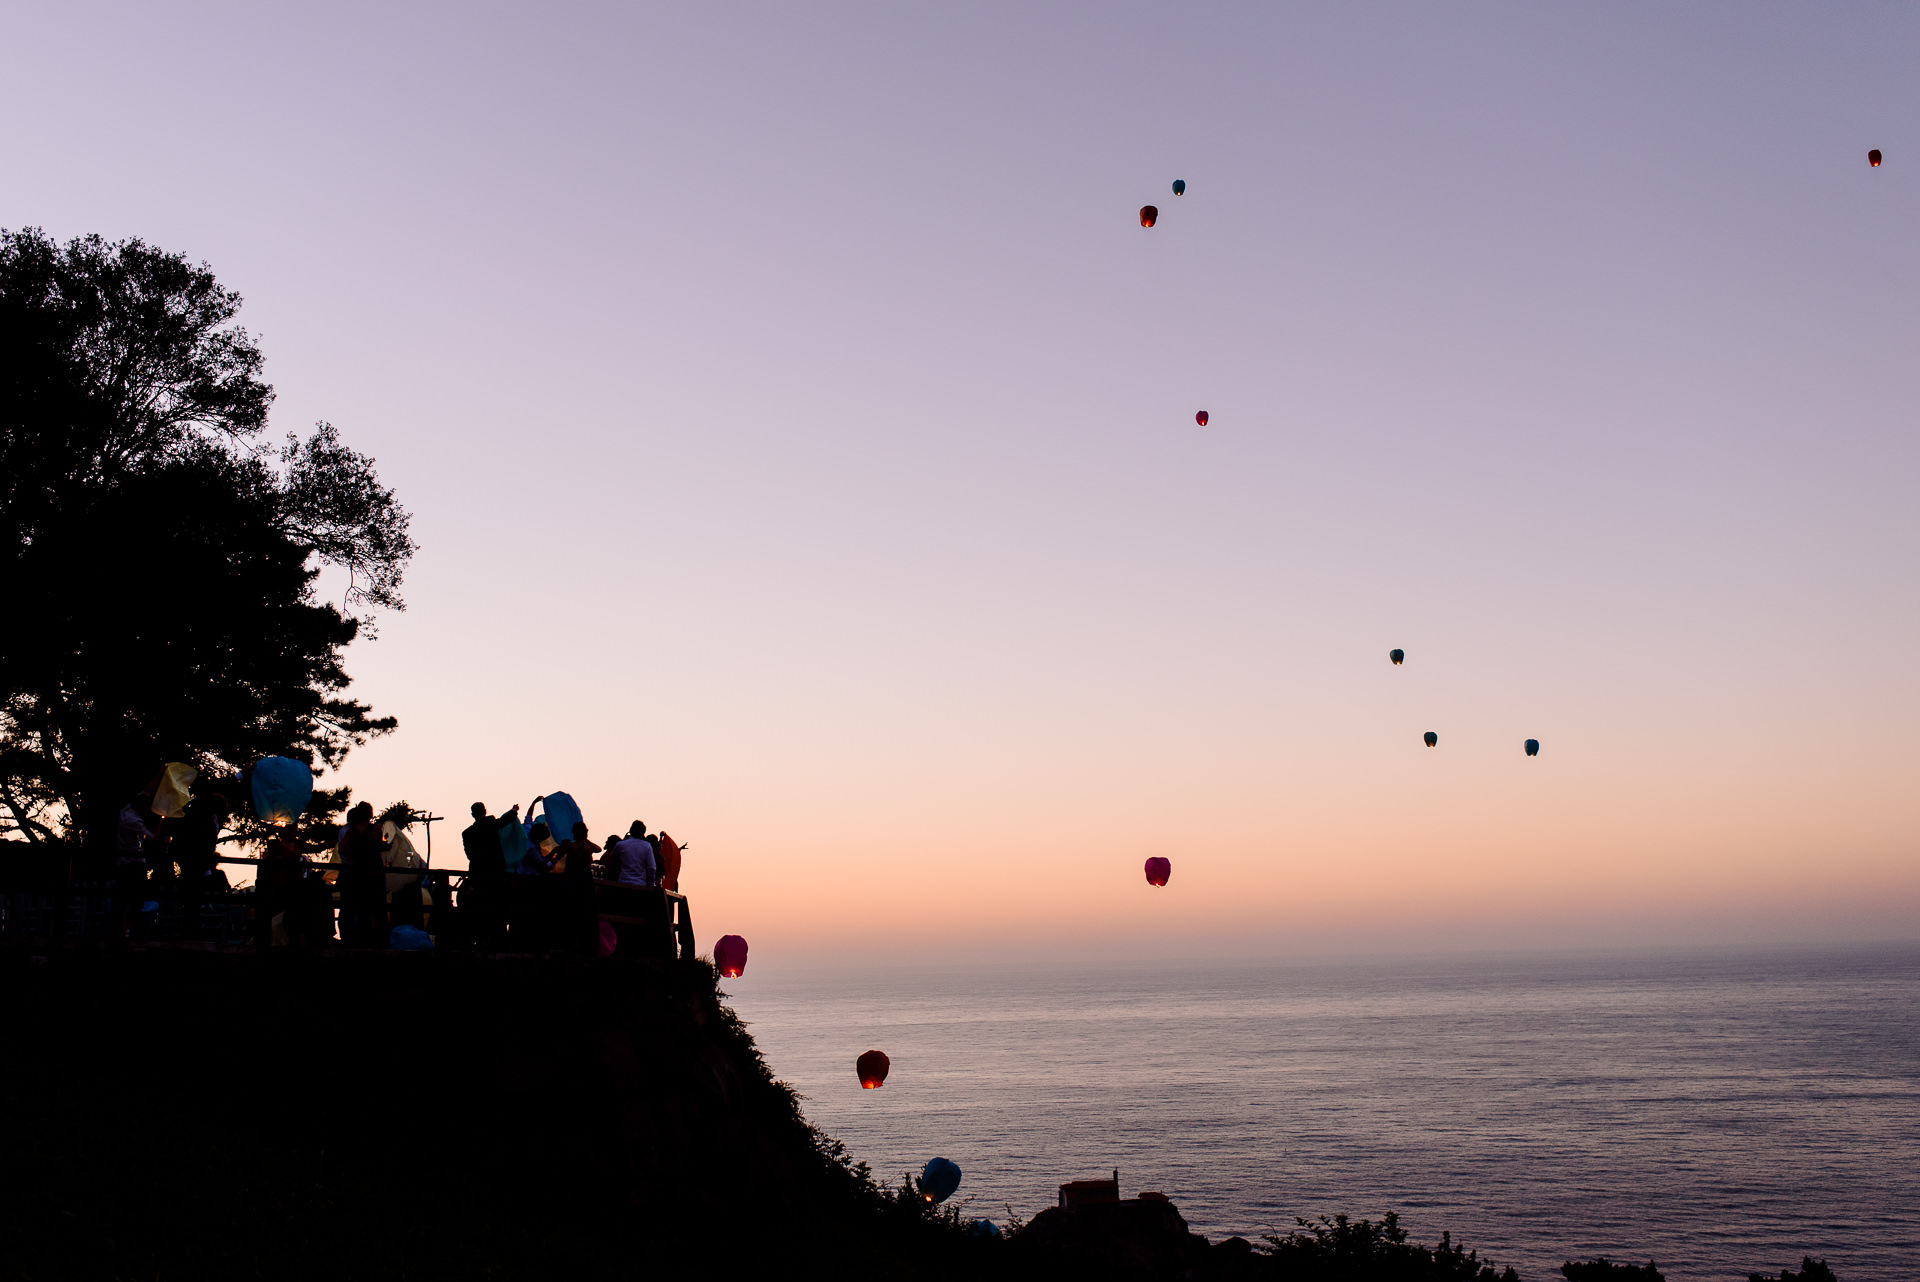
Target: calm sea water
[1719, 1114]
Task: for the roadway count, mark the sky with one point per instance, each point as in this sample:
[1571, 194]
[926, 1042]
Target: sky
[798, 427]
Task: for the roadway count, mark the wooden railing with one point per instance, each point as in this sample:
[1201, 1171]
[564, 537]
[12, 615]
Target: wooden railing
[651, 921]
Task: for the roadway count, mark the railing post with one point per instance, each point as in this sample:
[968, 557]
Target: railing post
[687, 950]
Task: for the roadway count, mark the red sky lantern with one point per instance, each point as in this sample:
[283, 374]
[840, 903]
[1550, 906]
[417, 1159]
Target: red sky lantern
[730, 955]
[1158, 870]
[1148, 215]
[1201, 418]
[872, 1068]
[1873, 158]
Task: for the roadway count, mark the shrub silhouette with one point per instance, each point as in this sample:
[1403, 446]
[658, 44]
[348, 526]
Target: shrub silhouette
[1605, 1270]
[1811, 1270]
[1362, 1250]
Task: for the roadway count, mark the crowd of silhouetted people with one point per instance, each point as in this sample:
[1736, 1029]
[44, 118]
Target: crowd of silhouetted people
[559, 910]
[546, 899]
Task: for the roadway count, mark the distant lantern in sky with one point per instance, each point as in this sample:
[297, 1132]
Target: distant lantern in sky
[1431, 738]
[938, 1179]
[1533, 747]
[1158, 870]
[730, 955]
[1148, 215]
[1180, 184]
[1201, 418]
[872, 1068]
[1873, 158]
[1398, 657]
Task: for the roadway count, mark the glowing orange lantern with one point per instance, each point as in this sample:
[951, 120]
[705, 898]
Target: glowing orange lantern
[872, 1068]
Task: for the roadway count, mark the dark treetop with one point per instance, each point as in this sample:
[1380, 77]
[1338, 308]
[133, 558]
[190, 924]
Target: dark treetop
[159, 556]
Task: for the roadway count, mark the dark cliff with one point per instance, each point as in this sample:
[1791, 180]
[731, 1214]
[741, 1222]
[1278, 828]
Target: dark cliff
[183, 1114]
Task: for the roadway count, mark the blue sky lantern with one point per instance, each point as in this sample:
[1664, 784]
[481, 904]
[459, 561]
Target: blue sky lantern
[1533, 747]
[561, 815]
[1179, 186]
[938, 1179]
[281, 789]
[1398, 656]
[1432, 739]
[513, 844]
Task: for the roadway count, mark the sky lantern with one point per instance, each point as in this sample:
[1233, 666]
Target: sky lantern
[730, 955]
[1873, 158]
[1533, 747]
[938, 1179]
[1201, 418]
[175, 790]
[281, 789]
[1148, 215]
[1158, 870]
[1398, 657]
[1180, 184]
[561, 813]
[872, 1068]
[1431, 738]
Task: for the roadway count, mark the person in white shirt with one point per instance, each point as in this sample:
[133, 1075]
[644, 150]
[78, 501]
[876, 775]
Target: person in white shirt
[638, 866]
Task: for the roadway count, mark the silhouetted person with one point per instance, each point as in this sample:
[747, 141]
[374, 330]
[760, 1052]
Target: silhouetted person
[132, 839]
[582, 909]
[195, 849]
[363, 882]
[637, 866]
[483, 895]
[405, 906]
[541, 848]
[276, 892]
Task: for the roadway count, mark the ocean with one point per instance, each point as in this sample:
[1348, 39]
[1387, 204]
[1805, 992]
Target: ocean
[1717, 1113]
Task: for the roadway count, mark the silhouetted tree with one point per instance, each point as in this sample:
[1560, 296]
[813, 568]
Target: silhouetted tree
[1605, 1270]
[160, 559]
[1811, 1270]
[1369, 1252]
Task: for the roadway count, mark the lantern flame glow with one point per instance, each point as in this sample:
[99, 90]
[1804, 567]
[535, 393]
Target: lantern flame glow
[872, 1068]
[730, 955]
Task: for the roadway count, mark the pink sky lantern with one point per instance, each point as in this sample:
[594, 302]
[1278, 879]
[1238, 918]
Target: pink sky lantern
[730, 955]
[872, 1068]
[1158, 870]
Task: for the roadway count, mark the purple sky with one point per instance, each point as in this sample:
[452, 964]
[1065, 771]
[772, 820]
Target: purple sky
[799, 430]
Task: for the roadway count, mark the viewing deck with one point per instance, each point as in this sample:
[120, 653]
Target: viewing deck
[52, 896]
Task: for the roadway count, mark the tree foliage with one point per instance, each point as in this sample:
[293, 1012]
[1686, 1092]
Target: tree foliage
[1811, 1270]
[1605, 1270]
[162, 560]
[1360, 1249]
